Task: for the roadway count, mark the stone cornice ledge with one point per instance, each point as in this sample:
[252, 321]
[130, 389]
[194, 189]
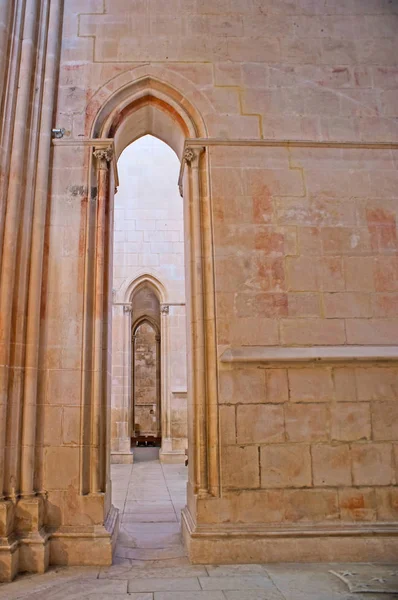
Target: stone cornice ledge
[288, 143]
[326, 354]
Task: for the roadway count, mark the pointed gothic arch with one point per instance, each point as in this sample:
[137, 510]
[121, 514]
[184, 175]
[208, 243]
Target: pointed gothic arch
[151, 106]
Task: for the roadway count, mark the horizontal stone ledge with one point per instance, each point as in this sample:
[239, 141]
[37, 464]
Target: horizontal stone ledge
[325, 354]
[349, 144]
[307, 531]
[372, 145]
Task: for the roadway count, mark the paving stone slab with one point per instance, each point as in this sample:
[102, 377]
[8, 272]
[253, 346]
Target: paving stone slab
[118, 597]
[164, 562]
[79, 590]
[157, 572]
[306, 582]
[24, 585]
[151, 528]
[254, 595]
[239, 582]
[163, 584]
[148, 517]
[232, 570]
[381, 579]
[150, 553]
[189, 596]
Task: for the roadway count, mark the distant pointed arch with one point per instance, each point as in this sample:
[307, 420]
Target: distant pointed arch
[142, 320]
[146, 278]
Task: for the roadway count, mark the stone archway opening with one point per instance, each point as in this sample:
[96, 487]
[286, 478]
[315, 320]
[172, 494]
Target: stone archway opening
[149, 380]
[149, 106]
[146, 424]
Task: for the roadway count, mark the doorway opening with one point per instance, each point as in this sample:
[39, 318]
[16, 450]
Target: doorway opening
[149, 374]
[145, 369]
[149, 348]
[134, 105]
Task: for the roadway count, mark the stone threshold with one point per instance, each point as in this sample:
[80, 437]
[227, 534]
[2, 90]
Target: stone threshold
[302, 354]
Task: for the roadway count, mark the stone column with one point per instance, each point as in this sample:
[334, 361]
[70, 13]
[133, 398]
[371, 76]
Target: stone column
[30, 39]
[98, 442]
[13, 188]
[167, 447]
[31, 506]
[12, 20]
[132, 396]
[122, 423]
[12, 226]
[37, 248]
[6, 14]
[198, 377]
[158, 398]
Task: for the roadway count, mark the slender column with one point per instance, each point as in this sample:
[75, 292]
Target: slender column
[132, 412]
[213, 459]
[12, 220]
[11, 46]
[128, 358]
[37, 249]
[158, 387]
[165, 385]
[103, 156]
[191, 157]
[7, 10]
[24, 256]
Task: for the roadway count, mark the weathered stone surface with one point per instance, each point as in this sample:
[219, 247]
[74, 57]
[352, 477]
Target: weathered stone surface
[285, 466]
[282, 117]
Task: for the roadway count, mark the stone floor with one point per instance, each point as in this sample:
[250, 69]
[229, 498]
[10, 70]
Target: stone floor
[150, 562]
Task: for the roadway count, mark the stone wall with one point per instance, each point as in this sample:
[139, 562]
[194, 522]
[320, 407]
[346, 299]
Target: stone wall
[290, 234]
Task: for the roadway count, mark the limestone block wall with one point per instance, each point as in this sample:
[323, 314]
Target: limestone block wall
[310, 444]
[298, 241]
[301, 255]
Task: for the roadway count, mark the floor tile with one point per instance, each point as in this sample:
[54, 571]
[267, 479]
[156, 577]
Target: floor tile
[239, 582]
[232, 570]
[189, 596]
[164, 584]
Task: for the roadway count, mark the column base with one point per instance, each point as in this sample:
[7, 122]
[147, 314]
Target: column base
[229, 544]
[88, 546]
[172, 457]
[25, 548]
[9, 544]
[122, 458]
[9, 558]
[34, 552]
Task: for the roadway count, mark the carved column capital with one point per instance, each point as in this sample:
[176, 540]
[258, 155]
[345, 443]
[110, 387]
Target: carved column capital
[127, 309]
[192, 154]
[103, 155]
[165, 309]
[191, 158]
